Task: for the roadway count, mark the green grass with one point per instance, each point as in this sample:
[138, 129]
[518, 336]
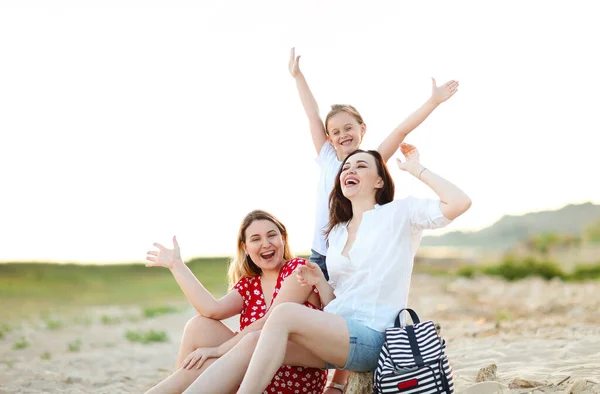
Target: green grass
[109, 320]
[146, 337]
[21, 344]
[28, 288]
[74, 346]
[160, 310]
[46, 356]
[53, 324]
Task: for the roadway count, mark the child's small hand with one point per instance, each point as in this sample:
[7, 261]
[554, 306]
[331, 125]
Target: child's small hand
[309, 274]
[439, 94]
[294, 64]
[411, 154]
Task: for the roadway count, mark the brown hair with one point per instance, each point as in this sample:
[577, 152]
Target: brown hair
[241, 265]
[340, 208]
[337, 108]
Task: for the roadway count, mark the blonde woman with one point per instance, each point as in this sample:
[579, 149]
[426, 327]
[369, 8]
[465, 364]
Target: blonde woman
[260, 278]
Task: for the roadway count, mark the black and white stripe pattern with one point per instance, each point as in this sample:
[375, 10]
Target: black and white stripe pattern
[413, 361]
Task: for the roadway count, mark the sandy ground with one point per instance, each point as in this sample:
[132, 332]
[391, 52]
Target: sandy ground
[545, 332]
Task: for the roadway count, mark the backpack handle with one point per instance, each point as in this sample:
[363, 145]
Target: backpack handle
[413, 316]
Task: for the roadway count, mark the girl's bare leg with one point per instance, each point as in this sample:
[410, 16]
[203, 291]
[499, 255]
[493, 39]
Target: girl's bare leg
[199, 332]
[322, 334]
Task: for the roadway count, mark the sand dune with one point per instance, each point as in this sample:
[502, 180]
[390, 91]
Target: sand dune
[542, 332]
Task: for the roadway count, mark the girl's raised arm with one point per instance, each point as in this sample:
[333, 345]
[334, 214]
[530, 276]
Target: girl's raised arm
[317, 129]
[196, 293]
[439, 94]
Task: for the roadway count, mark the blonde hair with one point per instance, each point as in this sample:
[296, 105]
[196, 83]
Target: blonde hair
[242, 266]
[337, 108]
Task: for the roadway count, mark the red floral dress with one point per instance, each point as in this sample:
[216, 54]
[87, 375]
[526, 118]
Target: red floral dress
[287, 380]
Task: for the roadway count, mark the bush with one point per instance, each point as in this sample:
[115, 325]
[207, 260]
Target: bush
[512, 269]
[583, 272]
[467, 271]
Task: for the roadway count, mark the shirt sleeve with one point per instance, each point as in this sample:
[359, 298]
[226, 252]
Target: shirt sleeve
[426, 214]
[242, 287]
[326, 155]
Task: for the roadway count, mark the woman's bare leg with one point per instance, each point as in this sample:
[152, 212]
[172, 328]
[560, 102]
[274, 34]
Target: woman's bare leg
[323, 334]
[199, 332]
[227, 372]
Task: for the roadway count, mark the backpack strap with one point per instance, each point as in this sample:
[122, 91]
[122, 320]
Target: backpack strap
[413, 316]
[414, 346]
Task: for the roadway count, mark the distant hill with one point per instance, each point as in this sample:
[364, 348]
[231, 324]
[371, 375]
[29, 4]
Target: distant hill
[510, 230]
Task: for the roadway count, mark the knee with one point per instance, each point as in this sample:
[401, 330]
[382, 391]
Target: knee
[283, 314]
[250, 340]
[197, 325]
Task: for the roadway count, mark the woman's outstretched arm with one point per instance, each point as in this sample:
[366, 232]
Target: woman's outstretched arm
[311, 108]
[195, 292]
[454, 202]
[439, 94]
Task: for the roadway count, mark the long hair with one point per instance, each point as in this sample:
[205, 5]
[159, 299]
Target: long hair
[340, 208]
[241, 265]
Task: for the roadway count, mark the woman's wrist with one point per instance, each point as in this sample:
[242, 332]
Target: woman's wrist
[417, 170]
[178, 263]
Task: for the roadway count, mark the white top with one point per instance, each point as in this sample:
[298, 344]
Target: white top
[372, 286]
[329, 166]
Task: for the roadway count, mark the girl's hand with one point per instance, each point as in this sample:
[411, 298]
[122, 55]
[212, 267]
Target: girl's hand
[439, 94]
[164, 257]
[294, 64]
[411, 154]
[309, 274]
[199, 356]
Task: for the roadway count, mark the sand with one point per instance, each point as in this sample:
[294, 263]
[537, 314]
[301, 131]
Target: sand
[540, 332]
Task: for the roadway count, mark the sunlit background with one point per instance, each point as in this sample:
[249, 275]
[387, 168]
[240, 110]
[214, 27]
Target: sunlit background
[125, 122]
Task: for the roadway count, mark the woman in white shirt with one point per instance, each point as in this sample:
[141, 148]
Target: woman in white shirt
[372, 243]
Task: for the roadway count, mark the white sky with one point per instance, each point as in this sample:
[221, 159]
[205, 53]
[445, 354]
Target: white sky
[124, 122]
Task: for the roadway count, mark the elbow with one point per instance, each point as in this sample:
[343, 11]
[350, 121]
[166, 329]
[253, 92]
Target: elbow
[463, 205]
[209, 314]
[457, 207]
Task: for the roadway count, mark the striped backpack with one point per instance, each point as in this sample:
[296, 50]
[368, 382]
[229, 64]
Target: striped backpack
[413, 360]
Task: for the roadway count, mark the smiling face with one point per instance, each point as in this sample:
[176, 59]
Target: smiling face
[345, 133]
[359, 176]
[264, 244]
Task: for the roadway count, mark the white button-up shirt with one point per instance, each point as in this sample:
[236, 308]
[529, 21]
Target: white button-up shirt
[372, 286]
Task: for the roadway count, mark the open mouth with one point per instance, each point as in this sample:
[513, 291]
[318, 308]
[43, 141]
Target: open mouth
[268, 255]
[351, 181]
[346, 142]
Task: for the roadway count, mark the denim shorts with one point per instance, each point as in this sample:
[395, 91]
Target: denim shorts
[319, 259]
[365, 345]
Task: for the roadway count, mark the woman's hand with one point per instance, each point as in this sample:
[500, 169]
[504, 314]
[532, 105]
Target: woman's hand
[309, 274]
[294, 64]
[412, 163]
[441, 93]
[199, 356]
[164, 257]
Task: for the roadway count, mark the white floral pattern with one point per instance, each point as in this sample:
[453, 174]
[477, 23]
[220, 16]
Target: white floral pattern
[287, 380]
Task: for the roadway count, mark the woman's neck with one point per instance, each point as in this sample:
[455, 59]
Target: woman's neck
[361, 206]
[270, 274]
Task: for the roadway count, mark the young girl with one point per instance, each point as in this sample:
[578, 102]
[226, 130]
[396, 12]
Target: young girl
[372, 243]
[341, 135]
[258, 280]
